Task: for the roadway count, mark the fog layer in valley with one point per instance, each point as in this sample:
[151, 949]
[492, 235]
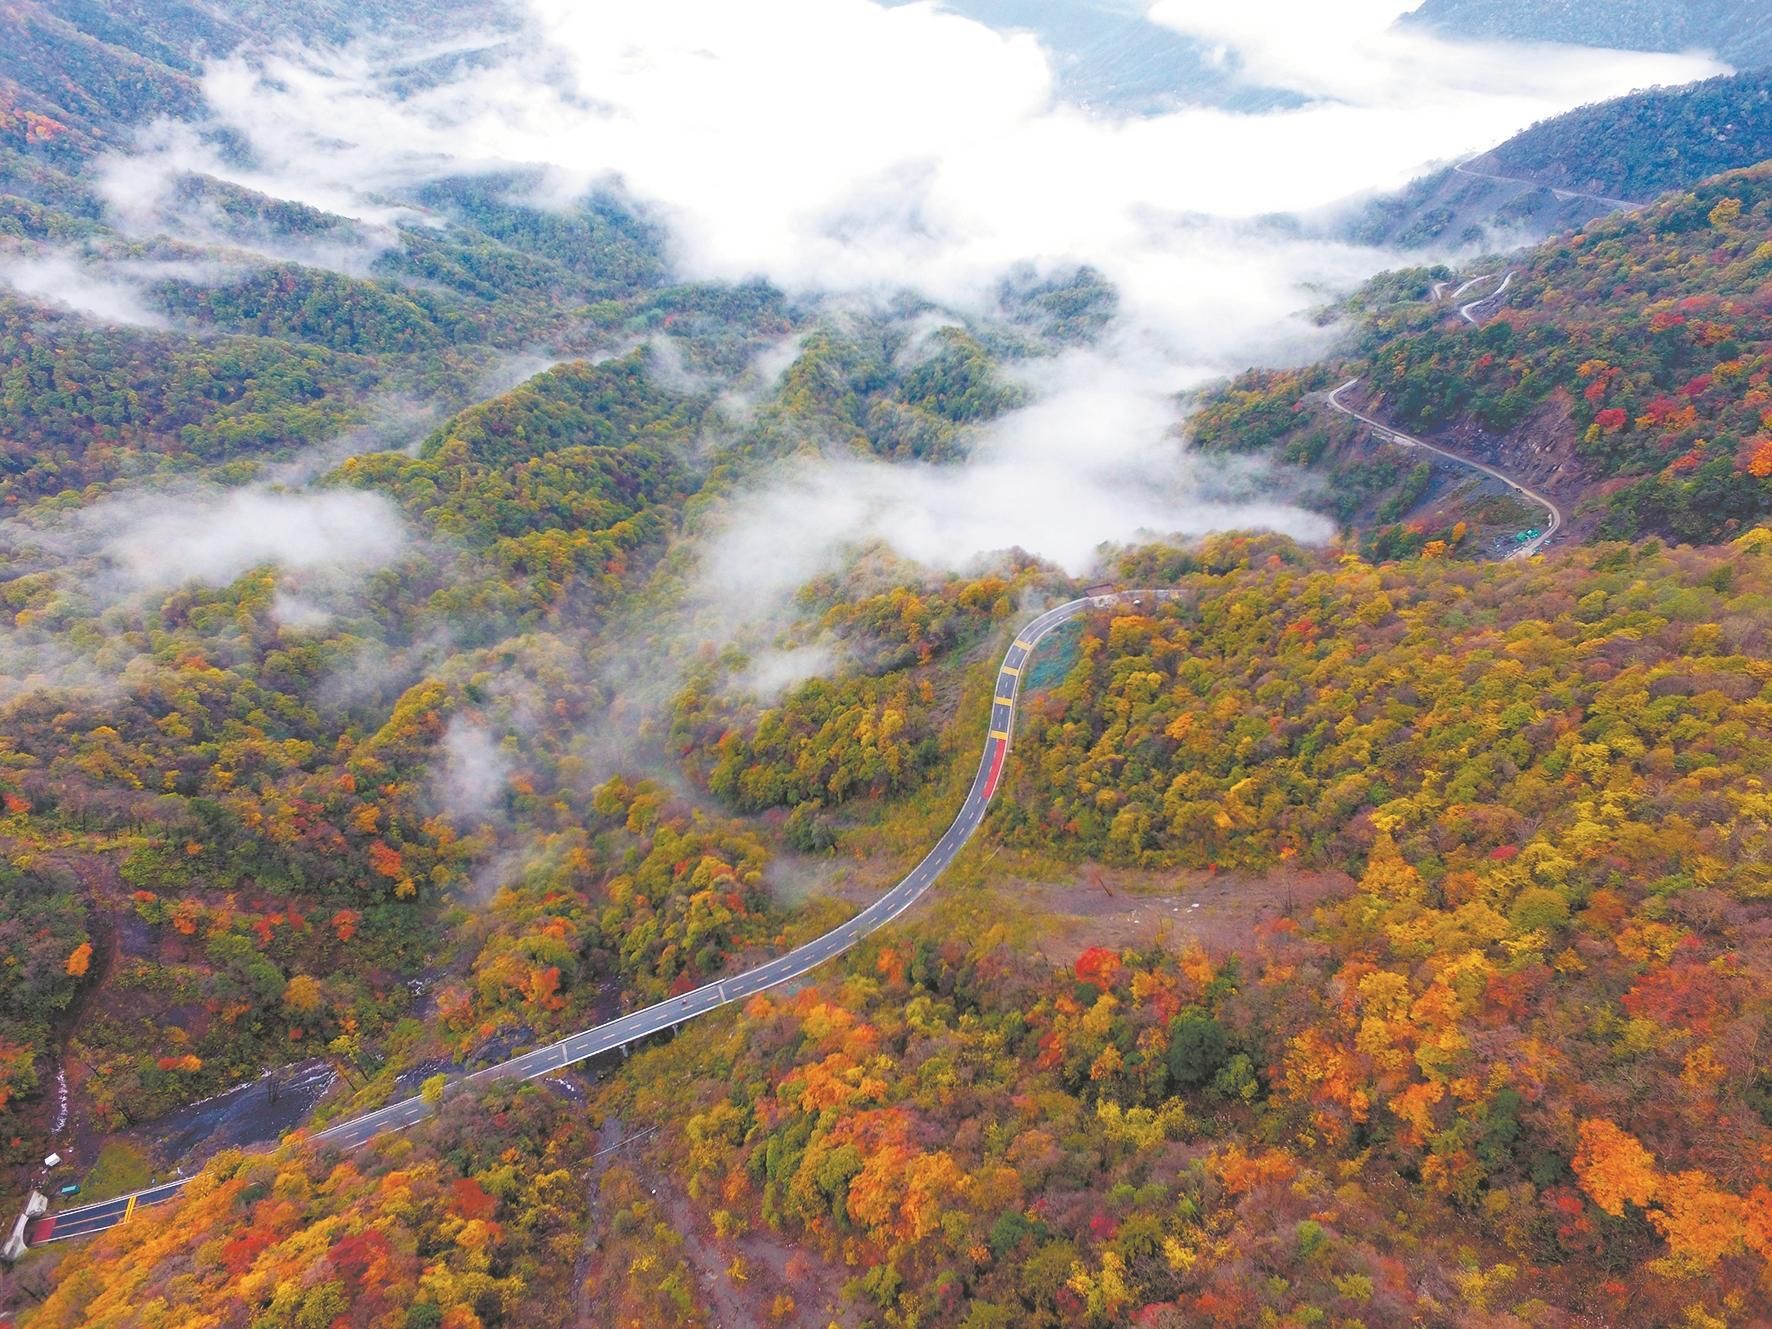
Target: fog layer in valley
[841, 146]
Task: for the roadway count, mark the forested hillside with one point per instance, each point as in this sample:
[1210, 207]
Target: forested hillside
[459, 1227]
[432, 624]
[1452, 209]
[1734, 29]
[1562, 173]
[245, 787]
[243, 803]
[1648, 143]
[1628, 366]
[1509, 1078]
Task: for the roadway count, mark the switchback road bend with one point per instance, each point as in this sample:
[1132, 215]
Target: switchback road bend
[1554, 514]
[667, 1014]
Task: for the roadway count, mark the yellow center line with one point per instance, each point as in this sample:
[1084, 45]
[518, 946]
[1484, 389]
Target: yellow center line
[128, 1209]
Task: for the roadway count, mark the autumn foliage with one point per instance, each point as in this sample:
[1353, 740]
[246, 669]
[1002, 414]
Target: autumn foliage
[79, 959]
[447, 1225]
[1508, 1070]
[1637, 350]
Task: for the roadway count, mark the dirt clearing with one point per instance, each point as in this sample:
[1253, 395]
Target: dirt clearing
[1121, 908]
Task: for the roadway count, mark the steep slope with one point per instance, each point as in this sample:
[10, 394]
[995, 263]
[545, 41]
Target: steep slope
[1505, 1072]
[1735, 29]
[1645, 144]
[1563, 172]
[82, 77]
[1627, 367]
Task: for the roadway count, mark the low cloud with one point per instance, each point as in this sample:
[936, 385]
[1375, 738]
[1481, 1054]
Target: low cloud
[394, 424]
[212, 538]
[147, 191]
[117, 551]
[1099, 458]
[761, 377]
[103, 286]
[474, 770]
[841, 145]
[34, 665]
[773, 671]
[299, 613]
[1353, 54]
[854, 151]
[59, 279]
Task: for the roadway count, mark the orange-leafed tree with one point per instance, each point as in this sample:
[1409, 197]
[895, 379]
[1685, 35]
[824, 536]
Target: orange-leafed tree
[386, 860]
[80, 959]
[1614, 1167]
[1702, 1223]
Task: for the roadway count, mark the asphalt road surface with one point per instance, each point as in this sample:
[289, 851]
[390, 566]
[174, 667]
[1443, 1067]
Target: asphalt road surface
[87, 1219]
[1469, 312]
[1482, 276]
[1554, 518]
[1562, 194]
[636, 1025]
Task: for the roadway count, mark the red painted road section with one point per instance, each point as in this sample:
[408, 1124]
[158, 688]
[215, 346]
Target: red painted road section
[990, 783]
[39, 1229]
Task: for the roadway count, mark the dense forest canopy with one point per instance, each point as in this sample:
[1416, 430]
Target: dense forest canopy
[1731, 28]
[1511, 1072]
[1640, 349]
[1648, 143]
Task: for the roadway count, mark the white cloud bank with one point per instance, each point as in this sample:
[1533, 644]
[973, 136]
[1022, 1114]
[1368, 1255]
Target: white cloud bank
[58, 278]
[474, 769]
[104, 287]
[121, 550]
[1095, 458]
[840, 144]
[212, 539]
[845, 146]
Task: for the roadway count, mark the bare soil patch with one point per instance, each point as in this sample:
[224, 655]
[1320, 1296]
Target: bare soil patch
[770, 1268]
[1091, 905]
[1121, 908]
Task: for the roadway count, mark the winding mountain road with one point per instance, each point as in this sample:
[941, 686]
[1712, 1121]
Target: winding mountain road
[1562, 195]
[618, 1033]
[1468, 311]
[1554, 520]
[1470, 282]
